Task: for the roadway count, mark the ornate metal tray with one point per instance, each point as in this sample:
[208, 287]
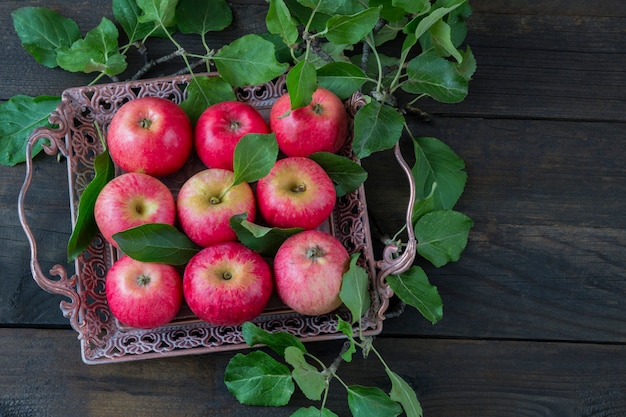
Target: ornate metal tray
[103, 339]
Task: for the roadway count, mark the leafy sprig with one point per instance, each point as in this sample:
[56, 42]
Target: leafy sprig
[393, 52]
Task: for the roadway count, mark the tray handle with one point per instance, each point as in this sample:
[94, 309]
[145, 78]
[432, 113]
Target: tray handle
[65, 286]
[395, 259]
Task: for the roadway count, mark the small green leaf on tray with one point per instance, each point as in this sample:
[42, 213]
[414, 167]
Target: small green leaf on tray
[156, 242]
[413, 287]
[255, 155]
[261, 239]
[355, 289]
[277, 341]
[345, 173]
[259, 379]
[18, 118]
[347, 329]
[86, 228]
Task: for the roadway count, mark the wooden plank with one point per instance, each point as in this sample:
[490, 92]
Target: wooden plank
[545, 66]
[545, 257]
[41, 374]
[533, 62]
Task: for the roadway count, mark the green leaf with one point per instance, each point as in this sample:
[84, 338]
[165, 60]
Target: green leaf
[156, 242]
[97, 52]
[424, 205]
[413, 287]
[342, 78]
[278, 341]
[279, 22]
[442, 236]
[258, 379]
[126, 13]
[201, 16]
[377, 127]
[442, 41]
[354, 291]
[261, 239]
[248, 60]
[255, 155]
[310, 381]
[313, 412]
[19, 116]
[352, 29]
[202, 92]
[371, 401]
[421, 23]
[404, 394]
[43, 31]
[346, 328]
[468, 67]
[331, 7]
[345, 173]
[159, 12]
[86, 228]
[301, 83]
[434, 76]
[437, 162]
[412, 6]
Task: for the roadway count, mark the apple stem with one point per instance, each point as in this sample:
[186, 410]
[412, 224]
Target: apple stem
[214, 200]
[300, 188]
[234, 125]
[315, 252]
[317, 108]
[227, 275]
[143, 280]
[145, 123]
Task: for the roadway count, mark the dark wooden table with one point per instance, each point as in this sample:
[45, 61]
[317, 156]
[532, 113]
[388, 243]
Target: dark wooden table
[535, 311]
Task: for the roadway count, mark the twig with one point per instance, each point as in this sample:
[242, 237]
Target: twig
[152, 63]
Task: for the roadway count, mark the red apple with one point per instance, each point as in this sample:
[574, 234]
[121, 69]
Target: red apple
[207, 201]
[227, 283]
[130, 200]
[152, 135]
[320, 126]
[308, 269]
[219, 129]
[296, 193]
[143, 295]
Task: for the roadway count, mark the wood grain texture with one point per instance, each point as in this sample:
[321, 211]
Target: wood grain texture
[534, 313]
[41, 374]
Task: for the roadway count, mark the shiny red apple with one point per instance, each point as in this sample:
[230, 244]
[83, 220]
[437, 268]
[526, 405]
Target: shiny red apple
[227, 284]
[143, 295]
[151, 135]
[296, 193]
[207, 201]
[308, 269]
[320, 126]
[219, 129]
[130, 200]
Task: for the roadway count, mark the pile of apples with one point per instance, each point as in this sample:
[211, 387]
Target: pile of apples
[225, 283]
